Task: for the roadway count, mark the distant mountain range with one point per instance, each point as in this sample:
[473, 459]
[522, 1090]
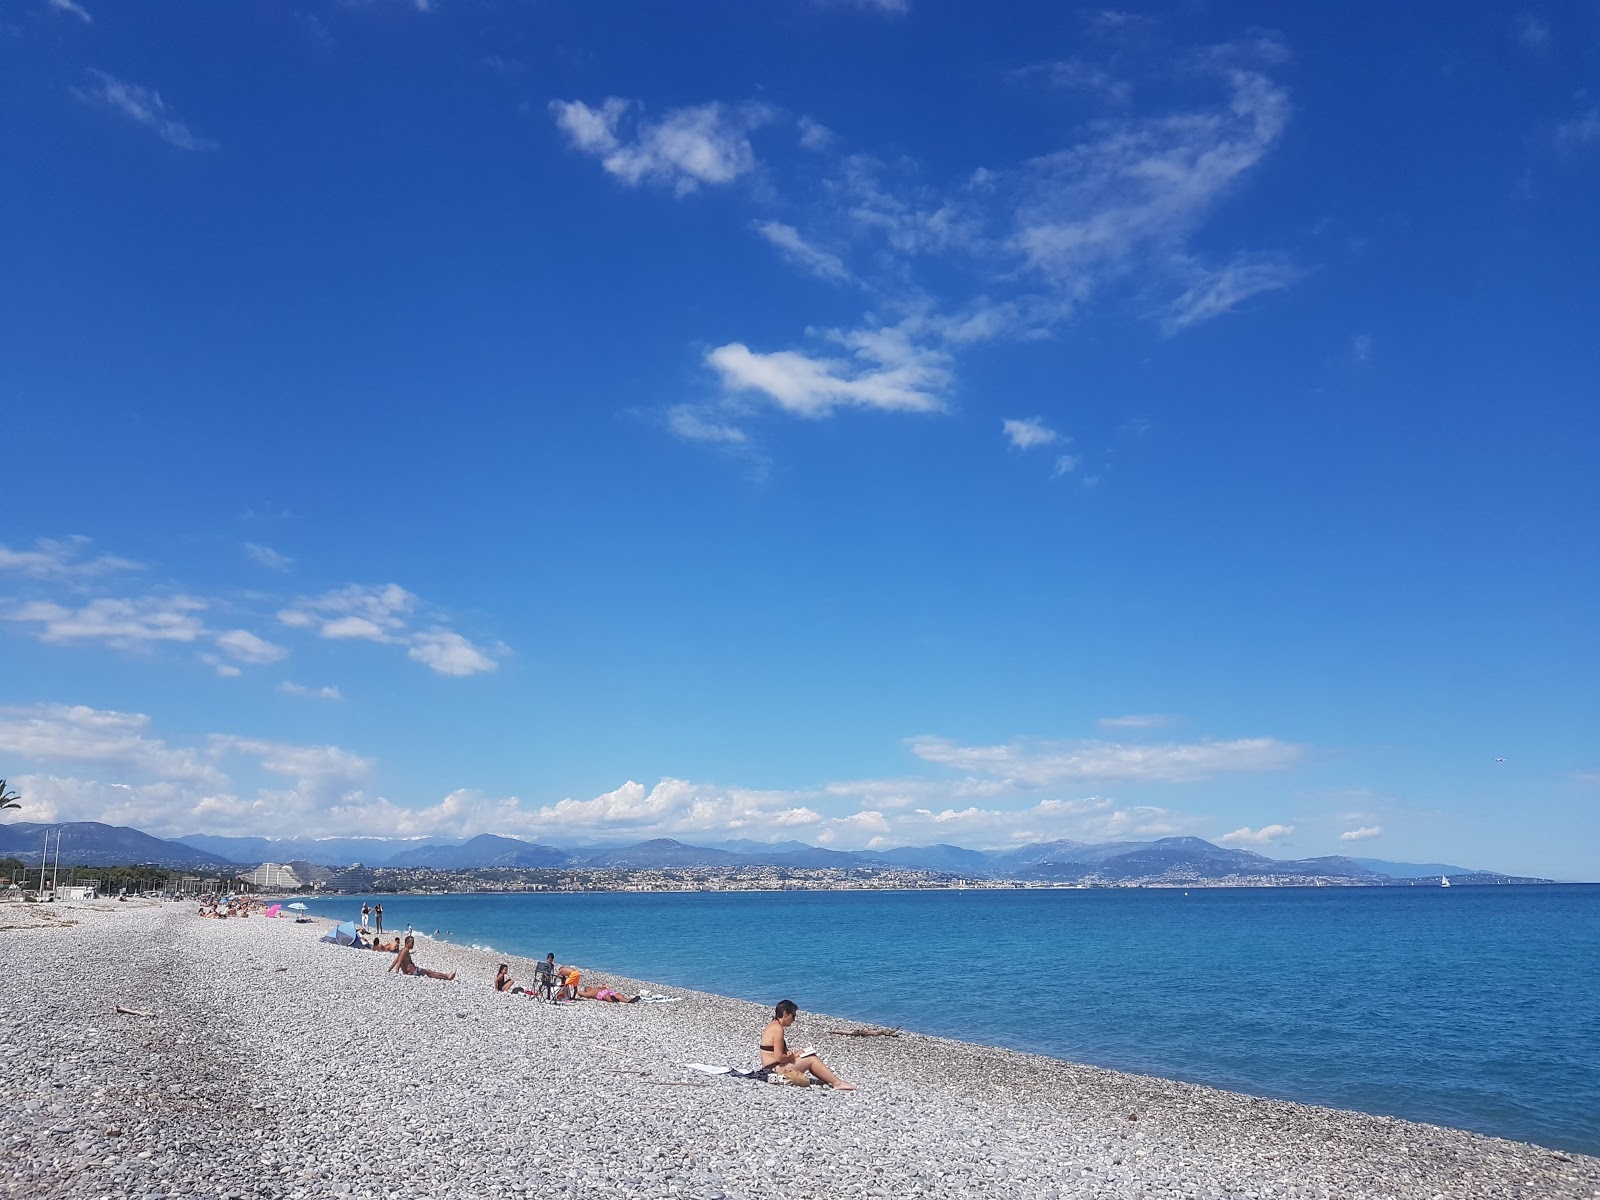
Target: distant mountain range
[90, 843]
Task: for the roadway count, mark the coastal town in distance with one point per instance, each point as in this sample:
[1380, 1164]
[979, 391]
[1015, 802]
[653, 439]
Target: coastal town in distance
[490, 863]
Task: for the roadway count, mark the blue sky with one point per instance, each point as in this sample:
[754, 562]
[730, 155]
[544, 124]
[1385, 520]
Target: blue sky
[867, 423]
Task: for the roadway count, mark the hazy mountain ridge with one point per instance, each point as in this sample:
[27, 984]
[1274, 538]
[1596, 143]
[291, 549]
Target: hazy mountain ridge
[91, 843]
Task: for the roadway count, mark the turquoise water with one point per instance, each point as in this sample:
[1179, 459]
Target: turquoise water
[1472, 1007]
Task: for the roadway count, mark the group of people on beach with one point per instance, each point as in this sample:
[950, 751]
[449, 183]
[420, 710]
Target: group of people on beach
[557, 983]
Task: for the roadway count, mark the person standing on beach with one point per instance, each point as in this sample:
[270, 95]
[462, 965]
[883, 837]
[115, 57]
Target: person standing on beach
[377, 915]
[366, 911]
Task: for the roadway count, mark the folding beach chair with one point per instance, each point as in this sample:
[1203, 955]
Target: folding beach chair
[544, 981]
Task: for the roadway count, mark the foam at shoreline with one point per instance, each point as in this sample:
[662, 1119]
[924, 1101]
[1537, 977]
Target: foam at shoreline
[277, 1066]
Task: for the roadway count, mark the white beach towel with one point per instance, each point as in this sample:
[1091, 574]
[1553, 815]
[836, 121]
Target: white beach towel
[708, 1069]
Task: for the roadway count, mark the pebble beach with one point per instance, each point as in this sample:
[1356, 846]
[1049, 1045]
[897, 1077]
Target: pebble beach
[255, 1061]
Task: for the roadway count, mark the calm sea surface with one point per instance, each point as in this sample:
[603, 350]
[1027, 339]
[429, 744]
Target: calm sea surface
[1472, 1007]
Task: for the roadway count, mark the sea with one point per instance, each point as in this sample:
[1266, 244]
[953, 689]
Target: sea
[1474, 1007]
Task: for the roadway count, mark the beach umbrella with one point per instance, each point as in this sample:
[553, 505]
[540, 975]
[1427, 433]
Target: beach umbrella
[298, 907]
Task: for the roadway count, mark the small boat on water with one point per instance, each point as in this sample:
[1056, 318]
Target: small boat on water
[1444, 881]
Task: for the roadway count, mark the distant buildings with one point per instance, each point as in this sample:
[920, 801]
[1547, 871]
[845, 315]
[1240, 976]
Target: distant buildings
[274, 877]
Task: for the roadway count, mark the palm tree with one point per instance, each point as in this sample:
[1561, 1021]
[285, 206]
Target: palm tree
[8, 798]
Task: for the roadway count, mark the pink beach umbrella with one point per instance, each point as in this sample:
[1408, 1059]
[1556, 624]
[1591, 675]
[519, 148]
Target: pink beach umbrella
[273, 911]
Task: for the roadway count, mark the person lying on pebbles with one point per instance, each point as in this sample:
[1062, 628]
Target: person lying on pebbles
[606, 994]
[778, 1059]
[406, 965]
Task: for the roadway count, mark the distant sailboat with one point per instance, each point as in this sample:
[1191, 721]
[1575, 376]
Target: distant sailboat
[1444, 881]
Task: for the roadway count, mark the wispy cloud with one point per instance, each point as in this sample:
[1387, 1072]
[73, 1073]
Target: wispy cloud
[1580, 132]
[77, 10]
[1027, 433]
[1362, 834]
[62, 559]
[887, 8]
[1137, 721]
[887, 371]
[686, 148]
[802, 253]
[76, 736]
[1265, 836]
[1045, 763]
[244, 646]
[1214, 291]
[813, 134]
[383, 614]
[98, 765]
[1533, 33]
[267, 557]
[1016, 250]
[123, 623]
[329, 692]
[697, 424]
[144, 106]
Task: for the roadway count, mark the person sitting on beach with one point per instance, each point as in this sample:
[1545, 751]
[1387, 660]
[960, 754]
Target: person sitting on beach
[776, 1057]
[609, 995]
[406, 965]
[503, 981]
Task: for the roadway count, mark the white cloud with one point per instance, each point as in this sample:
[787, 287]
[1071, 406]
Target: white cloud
[1136, 721]
[802, 253]
[697, 424]
[144, 106]
[1029, 432]
[62, 560]
[382, 614]
[1132, 192]
[1066, 464]
[1043, 764]
[688, 147]
[1213, 292]
[125, 624]
[77, 10]
[268, 557]
[449, 653]
[356, 611]
[246, 647]
[1362, 834]
[79, 736]
[1082, 75]
[888, 371]
[1361, 349]
[814, 135]
[329, 692]
[1265, 836]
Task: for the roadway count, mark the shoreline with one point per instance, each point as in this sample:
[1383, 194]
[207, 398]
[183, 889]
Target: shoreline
[597, 1093]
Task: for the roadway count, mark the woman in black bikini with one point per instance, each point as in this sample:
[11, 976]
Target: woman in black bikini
[776, 1055]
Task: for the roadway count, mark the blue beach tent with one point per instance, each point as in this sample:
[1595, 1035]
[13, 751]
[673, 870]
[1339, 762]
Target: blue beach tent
[342, 935]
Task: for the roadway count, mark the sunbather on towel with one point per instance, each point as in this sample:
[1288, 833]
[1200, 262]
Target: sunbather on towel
[776, 1055]
[606, 994]
[406, 965]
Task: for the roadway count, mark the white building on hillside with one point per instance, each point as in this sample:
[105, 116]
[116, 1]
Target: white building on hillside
[272, 876]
